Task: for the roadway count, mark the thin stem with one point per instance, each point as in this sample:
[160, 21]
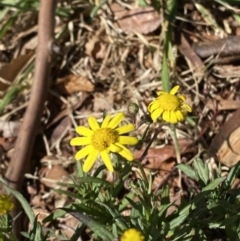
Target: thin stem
[178, 153]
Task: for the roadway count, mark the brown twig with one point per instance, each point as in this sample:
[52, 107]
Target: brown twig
[20, 161]
[222, 47]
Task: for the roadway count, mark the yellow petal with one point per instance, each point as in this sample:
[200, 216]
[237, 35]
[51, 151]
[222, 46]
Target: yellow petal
[153, 106]
[93, 123]
[125, 129]
[84, 152]
[84, 131]
[80, 141]
[128, 140]
[187, 107]
[166, 116]
[107, 161]
[114, 148]
[157, 113]
[116, 120]
[126, 153]
[173, 117]
[90, 161]
[105, 121]
[180, 115]
[174, 90]
[182, 97]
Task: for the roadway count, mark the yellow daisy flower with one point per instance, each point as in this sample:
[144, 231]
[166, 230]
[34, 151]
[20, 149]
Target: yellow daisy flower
[102, 139]
[6, 204]
[132, 234]
[169, 106]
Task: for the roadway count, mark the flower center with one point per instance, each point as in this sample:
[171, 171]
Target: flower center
[102, 138]
[169, 102]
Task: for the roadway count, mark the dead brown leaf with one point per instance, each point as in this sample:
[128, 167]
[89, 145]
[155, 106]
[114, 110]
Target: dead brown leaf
[223, 104]
[192, 58]
[141, 20]
[50, 176]
[74, 83]
[97, 45]
[7, 144]
[96, 48]
[66, 111]
[41, 214]
[103, 101]
[226, 144]
[59, 130]
[156, 156]
[229, 152]
[9, 72]
[70, 226]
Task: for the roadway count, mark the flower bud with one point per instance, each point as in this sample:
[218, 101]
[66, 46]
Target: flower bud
[133, 108]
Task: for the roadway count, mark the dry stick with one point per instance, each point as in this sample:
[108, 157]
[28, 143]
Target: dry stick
[225, 47]
[20, 161]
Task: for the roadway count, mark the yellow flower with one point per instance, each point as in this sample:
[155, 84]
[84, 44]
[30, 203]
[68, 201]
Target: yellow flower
[102, 139]
[169, 106]
[6, 204]
[132, 234]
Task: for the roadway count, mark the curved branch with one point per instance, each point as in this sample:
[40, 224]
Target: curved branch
[20, 161]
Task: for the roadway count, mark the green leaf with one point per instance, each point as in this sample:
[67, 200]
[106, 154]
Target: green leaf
[187, 170]
[230, 220]
[171, 7]
[55, 215]
[232, 231]
[177, 221]
[94, 211]
[5, 223]
[201, 170]
[98, 229]
[5, 27]
[115, 215]
[209, 18]
[78, 232]
[142, 3]
[9, 96]
[96, 8]
[214, 184]
[234, 172]
[94, 180]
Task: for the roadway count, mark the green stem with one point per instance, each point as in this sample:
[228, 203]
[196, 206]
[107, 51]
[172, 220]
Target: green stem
[178, 152]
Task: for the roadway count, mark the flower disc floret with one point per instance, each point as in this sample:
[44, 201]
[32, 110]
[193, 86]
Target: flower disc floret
[169, 106]
[132, 234]
[6, 204]
[102, 139]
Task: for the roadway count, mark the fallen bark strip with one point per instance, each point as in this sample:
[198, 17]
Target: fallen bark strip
[224, 133]
[20, 161]
[223, 47]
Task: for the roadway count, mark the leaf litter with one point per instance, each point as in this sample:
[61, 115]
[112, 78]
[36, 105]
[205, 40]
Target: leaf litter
[111, 61]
